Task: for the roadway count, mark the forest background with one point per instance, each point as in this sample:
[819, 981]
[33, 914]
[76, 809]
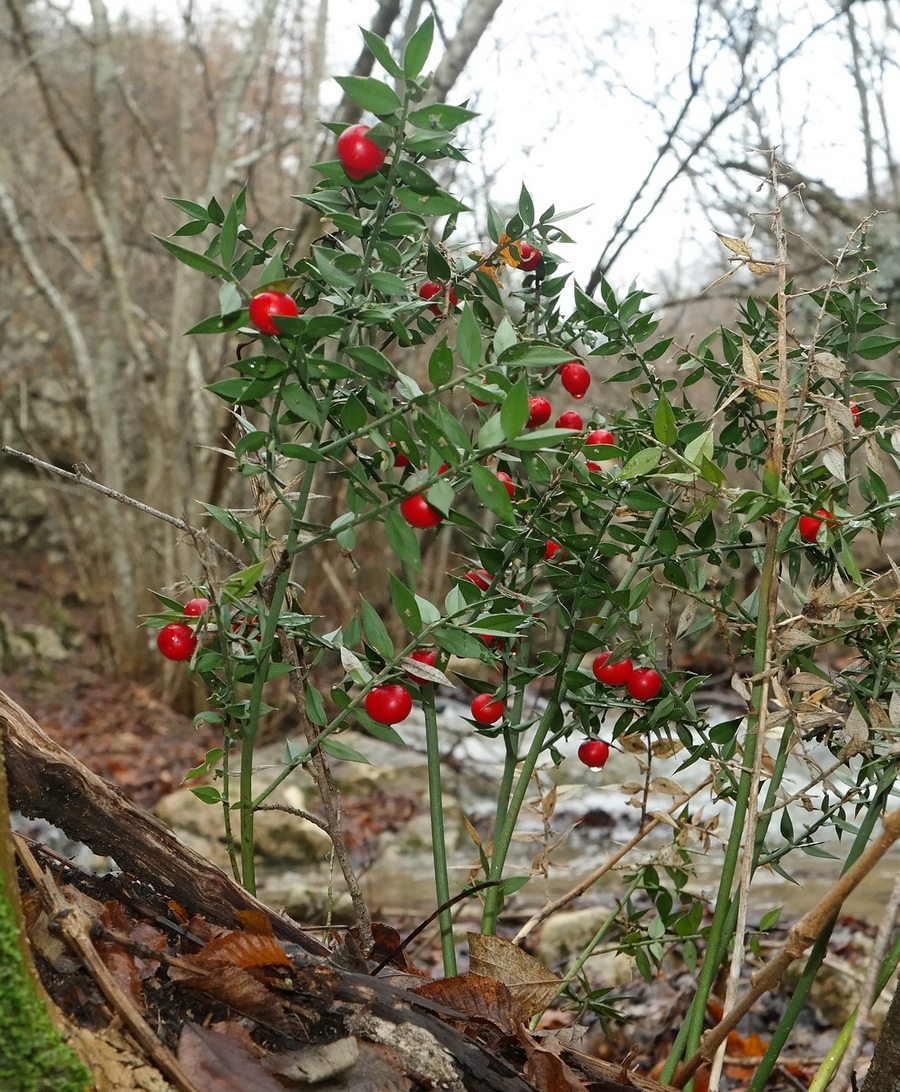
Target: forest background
[104, 114]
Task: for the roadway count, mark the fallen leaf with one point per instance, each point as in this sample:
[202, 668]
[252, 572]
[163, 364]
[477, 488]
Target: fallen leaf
[217, 1063]
[479, 998]
[532, 984]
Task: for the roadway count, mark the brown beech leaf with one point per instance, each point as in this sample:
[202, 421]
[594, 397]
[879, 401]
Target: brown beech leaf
[218, 1063]
[243, 950]
[736, 246]
[532, 984]
[255, 922]
[478, 998]
[236, 987]
[545, 1068]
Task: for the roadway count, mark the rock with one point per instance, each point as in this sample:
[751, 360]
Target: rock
[566, 934]
[308, 902]
[282, 839]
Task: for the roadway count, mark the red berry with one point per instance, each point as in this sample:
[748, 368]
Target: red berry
[481, 578]
[600, 436]
[593, 467]
[419, 513]
[486, 709]
[448, 297]
[176, 641]
[508, 484]
[359, 156]
[594, 753]
[612, 674]
[529, 258]
[854, 409]
[399, 458]
[193, 608]
[575, 378]
[644, 683]
[388, 704]
[551, 550]
[809, 526]
[265, 307]
[538, 412]
[570, 419]
[427, 656]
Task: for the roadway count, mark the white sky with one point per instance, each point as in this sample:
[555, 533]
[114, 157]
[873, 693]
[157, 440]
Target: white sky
[567, 94]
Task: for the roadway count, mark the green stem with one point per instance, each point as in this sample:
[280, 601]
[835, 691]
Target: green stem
[438, 845]
[720, 933]
[494, 897]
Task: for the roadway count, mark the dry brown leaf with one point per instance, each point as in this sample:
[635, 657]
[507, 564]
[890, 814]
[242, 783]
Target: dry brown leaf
[218, 1063]
[736, 246]
[750, 362]
[545, 1068]
[666, 748]
[478, 997]
[244, 950]
[238, 988]
[760, 268]
[805, 680]
[532, 984]
[667, 787]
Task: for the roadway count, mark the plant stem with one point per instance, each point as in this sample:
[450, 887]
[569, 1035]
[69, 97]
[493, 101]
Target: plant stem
[438, 844]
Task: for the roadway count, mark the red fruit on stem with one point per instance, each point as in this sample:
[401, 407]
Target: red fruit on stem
[599, 436]
[388, 704]
[427, 656]
[809, 526]
[594, 753]
[644, 683]
[575, 378]
[193, 608]
[508, 484]
[551, 550]
[419, 513]
[529, 258]
[449, 299]
[265, 307]
[176, 641]
[570, 419]
[538, 412]
[854, 409]
[486, 709]
[359, 156]
[481, 578]
[616, 673]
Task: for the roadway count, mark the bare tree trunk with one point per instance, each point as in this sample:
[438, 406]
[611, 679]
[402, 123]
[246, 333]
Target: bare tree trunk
[885, 1066]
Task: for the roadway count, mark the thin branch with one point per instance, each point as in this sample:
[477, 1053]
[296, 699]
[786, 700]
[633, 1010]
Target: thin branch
[77, 478]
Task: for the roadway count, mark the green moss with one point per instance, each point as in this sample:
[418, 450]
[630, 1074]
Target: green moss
[33, 1055]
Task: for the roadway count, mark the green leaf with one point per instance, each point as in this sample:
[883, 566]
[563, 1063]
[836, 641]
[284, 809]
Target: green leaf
[512, 884]
[194, 260]
[370, 94]
[441, 116]
[191, 208]
[664, 422]
[402, 540]
[515, 411]
[208, 794]
[871, 348]
[405, 605]
[241, 583]
[492, 493]
[458, 643]
[343, 751]
[535, 356]
[315, 706]
[228, 236]
[641, 463]
[402, 223]
[430, 204]
[440, 363]
[540, 438]
[382, 54]
[388, 283]
[375, 362]
[526, 206]
[331, 274]
[302, 403]
[375, 630]
[193, 227]
[417, 49]
[468, 338]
